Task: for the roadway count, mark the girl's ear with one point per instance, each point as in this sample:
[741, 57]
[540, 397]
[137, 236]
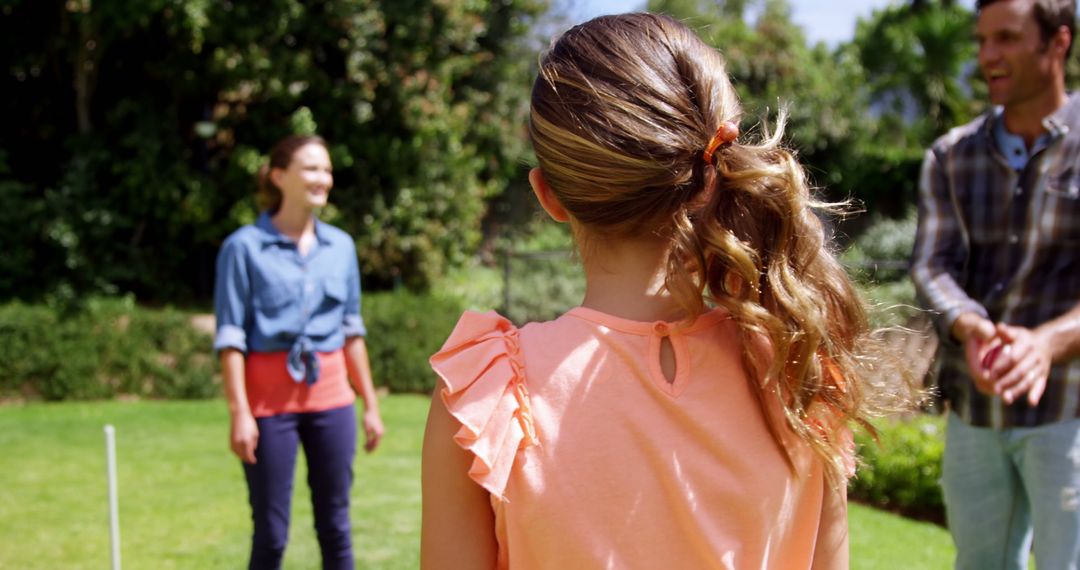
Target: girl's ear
[546, 197]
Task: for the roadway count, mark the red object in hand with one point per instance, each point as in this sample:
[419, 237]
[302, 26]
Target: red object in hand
[991, 356]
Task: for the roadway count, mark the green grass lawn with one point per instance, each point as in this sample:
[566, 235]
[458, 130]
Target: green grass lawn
[183, 499]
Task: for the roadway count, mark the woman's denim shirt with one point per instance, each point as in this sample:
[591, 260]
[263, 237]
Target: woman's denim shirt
[269, 298]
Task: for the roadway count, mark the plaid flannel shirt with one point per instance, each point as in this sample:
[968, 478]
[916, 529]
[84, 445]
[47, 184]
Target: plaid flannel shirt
[1004, 244]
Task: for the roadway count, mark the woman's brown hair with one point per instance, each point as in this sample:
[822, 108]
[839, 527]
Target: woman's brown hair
[622, 110]
[269, 197]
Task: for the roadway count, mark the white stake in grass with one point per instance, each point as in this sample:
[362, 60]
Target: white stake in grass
[114, 517]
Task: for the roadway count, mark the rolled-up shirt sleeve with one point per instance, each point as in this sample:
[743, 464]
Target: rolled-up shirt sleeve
[232, 297]
[940, 252]
[353, 322]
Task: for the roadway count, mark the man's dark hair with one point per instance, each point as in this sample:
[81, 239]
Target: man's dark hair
[1049, 15]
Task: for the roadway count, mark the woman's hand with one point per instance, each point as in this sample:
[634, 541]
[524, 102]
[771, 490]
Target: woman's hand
[373, 429]
[244, 437]
[356, 360]
[243, 431]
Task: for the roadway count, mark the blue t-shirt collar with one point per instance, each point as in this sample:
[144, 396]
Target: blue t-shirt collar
[1012, 146]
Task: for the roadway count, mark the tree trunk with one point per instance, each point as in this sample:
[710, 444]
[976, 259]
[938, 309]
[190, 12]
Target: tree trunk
[84, 68]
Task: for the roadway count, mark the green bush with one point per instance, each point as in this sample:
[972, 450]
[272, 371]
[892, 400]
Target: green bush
[892, 303]
[545, 274]
[478, 287]
[886, 240]
[543, 285]
[404, 330]
[877, 261]
[101, 349]
[111, 347]
[903, 468]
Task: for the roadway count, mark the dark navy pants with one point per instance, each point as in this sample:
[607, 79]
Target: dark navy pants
[329, 441]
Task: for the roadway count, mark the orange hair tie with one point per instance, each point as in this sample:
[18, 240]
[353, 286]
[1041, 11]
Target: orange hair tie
[725, 133]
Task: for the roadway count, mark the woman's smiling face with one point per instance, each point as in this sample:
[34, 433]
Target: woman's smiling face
[306, 182]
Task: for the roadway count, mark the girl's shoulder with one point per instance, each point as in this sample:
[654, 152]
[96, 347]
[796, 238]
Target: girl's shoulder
[494, 331]
[481, 344]
[483, 387]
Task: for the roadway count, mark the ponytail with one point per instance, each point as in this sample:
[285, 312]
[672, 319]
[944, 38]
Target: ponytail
[756, 247]
[632, 121]
[269, 195]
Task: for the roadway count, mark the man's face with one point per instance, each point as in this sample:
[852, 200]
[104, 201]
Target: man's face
[1017, 64]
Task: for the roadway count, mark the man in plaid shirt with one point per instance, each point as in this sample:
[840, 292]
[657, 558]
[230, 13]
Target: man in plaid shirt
[997, 261]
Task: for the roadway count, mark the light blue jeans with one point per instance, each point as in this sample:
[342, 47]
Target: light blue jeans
[1003, 488]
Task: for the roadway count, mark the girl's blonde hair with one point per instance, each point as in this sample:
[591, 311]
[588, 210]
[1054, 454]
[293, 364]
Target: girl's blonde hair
[622, 110]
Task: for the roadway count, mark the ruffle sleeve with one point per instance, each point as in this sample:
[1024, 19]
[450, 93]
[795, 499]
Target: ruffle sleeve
[483, 373]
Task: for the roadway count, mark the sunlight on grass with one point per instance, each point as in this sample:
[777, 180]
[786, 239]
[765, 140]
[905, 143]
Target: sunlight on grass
[183, 503]
[884, 541]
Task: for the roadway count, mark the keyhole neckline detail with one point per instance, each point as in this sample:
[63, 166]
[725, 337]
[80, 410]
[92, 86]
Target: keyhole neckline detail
[656, 332]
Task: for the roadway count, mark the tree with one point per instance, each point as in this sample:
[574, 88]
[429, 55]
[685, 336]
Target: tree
[918, 60]
[771, 65]
[134, 129]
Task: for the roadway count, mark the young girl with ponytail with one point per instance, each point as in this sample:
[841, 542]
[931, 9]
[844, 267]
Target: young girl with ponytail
[693, 411]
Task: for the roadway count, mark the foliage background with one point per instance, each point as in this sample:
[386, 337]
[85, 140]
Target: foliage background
[133, 127]
[113, 348]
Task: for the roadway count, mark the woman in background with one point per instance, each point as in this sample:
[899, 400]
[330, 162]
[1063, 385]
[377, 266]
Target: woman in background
[290, 337]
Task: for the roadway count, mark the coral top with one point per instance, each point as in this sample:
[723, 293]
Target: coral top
[271, 391]
[595, 460]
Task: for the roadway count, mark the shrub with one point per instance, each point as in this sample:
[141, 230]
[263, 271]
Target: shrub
[542, 274]
[543, 285]
[877, 260]
[110, 347]
[892, 304]
[903, 468]
[881, 252]
[101, 349]
[476, 286]
[404, 330]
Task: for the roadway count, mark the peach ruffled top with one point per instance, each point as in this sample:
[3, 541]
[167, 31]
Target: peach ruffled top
[595, 460]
